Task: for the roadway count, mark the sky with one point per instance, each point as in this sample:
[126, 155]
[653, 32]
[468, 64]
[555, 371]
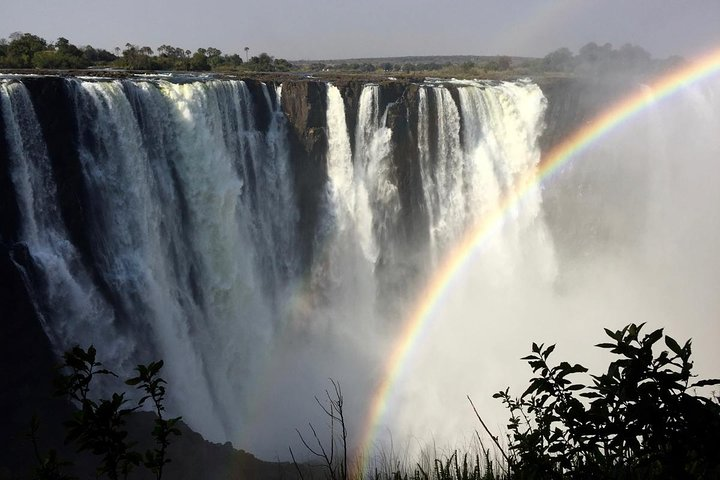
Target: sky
[329, 29]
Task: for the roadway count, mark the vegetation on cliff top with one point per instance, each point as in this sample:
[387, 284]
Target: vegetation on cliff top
[26, 51]
[29, 51]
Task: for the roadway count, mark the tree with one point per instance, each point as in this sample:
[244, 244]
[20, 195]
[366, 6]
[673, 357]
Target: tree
[640, 419]
[559, 60]
[64, 47]
[261, 63]
[213, 57]
[233, 60]
[199, 61]
[592, 53]
[334, 452]
[22, 48]
[97, 56]
[138, 58]
[632, 56]
[281, 65]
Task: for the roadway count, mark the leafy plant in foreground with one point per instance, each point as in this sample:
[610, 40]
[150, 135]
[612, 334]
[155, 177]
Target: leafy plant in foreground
[640, 419]
[149, 381]
[99, 426]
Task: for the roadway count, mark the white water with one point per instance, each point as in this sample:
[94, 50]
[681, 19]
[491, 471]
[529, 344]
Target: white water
[70, 305]
[193, 224]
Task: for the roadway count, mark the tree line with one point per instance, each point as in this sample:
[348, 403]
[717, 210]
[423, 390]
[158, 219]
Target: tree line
[26, 50]
[593, 58]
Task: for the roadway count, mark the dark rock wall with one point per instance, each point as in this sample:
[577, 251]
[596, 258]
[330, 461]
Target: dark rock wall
[588, 202]
[9, 211]
[26, 357]
[54, 106]
[305, 105]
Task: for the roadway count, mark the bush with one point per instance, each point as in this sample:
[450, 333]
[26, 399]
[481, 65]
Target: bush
[640, 419]
[99, 425]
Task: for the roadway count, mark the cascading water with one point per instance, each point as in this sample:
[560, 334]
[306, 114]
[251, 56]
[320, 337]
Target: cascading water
[192, 229]
[190, 250]
[375, 185]
[191, 225]
[467, 170]
[68, 303]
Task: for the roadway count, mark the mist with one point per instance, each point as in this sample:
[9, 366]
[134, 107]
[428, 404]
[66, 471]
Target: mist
[625, 231]
[630, 227]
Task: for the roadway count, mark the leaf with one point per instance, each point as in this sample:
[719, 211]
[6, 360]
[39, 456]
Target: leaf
[577, 368]
[614, 335]
[706, 383]
[673, 345]
[534, 385]
[654, 336]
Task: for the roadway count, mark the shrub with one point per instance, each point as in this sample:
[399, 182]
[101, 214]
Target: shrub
[640, 419]
[99, 425]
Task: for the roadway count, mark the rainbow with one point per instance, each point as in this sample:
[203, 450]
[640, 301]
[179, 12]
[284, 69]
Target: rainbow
[438, 286]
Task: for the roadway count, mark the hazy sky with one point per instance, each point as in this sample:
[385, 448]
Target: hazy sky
[323, 29]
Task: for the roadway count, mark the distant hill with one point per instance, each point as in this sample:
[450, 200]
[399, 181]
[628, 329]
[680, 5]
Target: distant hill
[441, 59]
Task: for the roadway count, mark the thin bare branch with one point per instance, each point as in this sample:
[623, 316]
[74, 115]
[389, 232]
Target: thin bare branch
[494, 438]
[297, 467]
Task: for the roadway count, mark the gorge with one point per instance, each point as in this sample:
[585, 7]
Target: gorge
[264, 236]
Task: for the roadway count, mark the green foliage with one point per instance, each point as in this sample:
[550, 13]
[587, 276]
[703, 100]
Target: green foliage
[266, 63]
[560, 60]
[152, 385]
[199, 61]
[593, 59]
[99, 425]
[640, 419]
[55, 60]
[25, 50]
[30, 51]
[22, 47]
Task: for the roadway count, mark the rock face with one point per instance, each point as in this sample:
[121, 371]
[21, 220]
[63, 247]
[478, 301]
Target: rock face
[580, 191]
[305, 104]
[53, 104]
[26, 355]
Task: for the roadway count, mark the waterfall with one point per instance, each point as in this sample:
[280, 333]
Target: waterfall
[191, 219]
[68, 303]
[190, 248]
[376, 186]
[351, 244]
[481, 147]
[340, 168]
